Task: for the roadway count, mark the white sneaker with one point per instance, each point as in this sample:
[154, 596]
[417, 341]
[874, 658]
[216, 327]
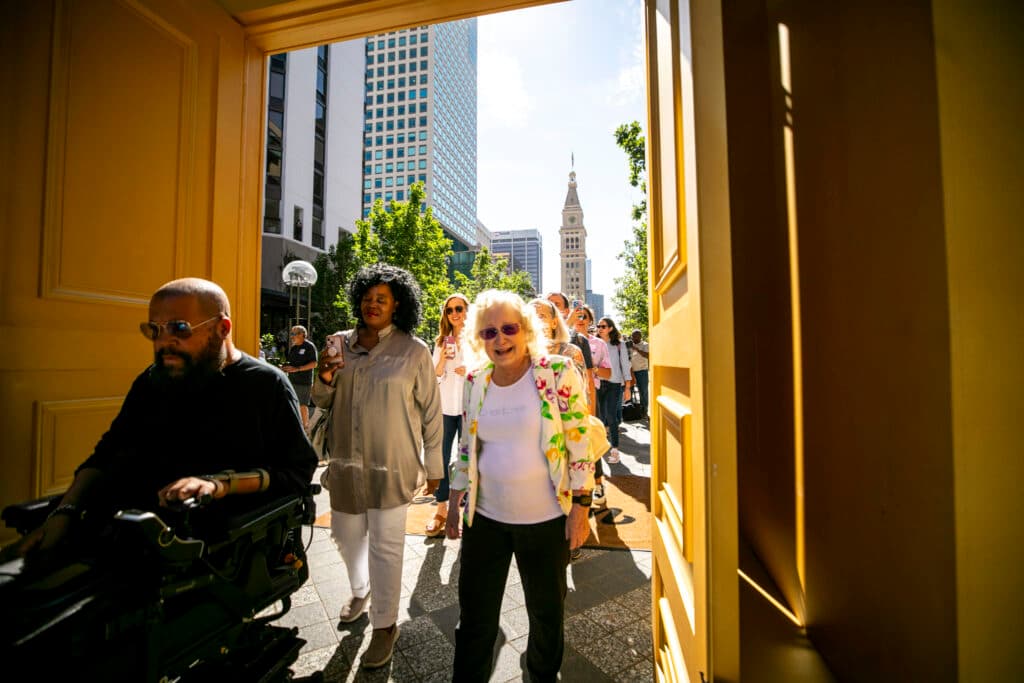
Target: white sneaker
[613, 456]
[597, 495]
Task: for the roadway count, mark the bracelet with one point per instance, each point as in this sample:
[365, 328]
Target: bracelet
[66, 509]
[227, 477]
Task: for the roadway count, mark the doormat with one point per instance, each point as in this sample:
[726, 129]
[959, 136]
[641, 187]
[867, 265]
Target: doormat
[624, 521]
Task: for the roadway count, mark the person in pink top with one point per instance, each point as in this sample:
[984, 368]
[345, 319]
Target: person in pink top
[582, 318]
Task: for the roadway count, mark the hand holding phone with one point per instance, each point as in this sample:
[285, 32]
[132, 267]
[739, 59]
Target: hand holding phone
[334, 350]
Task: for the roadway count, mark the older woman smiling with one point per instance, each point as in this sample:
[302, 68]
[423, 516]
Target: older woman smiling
[524, 462]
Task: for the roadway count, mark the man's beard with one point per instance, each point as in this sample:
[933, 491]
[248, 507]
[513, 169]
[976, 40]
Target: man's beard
[195, 369]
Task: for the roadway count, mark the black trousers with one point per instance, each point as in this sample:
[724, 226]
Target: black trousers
[542, 554]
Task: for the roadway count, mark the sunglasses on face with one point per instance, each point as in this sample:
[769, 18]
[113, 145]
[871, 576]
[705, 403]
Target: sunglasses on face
[509, 330]
[453, 309]
[176, 328]
[603, 327]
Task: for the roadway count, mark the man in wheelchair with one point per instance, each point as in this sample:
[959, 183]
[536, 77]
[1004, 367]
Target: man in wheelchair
[181, 526]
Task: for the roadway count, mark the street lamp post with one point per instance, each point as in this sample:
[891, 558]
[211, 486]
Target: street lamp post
[297, 276]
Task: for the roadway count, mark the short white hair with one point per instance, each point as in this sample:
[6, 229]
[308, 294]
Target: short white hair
[529, 322]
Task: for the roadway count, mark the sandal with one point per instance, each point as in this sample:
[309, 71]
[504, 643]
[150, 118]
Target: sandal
[435, 527]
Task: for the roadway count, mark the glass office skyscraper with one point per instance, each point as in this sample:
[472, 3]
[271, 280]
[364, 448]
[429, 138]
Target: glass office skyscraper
[420, 122]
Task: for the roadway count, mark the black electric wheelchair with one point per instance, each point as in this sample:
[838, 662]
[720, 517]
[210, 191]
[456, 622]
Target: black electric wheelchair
[144, 599]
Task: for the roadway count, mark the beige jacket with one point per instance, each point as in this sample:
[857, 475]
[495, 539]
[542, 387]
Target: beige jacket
[386, 411]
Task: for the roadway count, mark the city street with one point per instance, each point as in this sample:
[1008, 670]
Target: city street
[608, 608]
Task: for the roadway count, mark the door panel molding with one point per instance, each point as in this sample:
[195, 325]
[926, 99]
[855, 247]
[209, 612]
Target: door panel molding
[81, 167]
[693, 442]
[64, 430]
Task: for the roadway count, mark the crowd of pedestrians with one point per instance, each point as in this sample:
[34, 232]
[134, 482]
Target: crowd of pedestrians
[510, 382]
[513, 383]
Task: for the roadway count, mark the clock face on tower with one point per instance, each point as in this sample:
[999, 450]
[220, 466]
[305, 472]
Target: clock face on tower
[572, 219]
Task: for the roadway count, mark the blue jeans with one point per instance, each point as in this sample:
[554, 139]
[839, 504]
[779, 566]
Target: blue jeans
[452, 428]
[609, 401]
[640, 377]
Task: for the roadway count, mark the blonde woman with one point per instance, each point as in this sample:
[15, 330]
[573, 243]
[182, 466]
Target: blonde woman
[555, 330]
[525, 470]
[450, 366]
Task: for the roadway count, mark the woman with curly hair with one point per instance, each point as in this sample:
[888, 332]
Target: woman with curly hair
[382, 389]
[525, 471]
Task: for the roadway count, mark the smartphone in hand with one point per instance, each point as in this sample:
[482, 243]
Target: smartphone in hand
[333, 349]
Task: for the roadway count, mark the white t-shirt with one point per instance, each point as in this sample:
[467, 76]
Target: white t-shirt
[450, 384]
[515, 487]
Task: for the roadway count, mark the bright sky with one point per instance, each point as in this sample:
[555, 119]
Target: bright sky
[557, 81]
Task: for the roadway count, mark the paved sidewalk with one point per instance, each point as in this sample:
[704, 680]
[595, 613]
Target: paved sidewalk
[608, 609]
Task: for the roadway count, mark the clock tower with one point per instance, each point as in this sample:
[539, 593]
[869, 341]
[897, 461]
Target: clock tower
[573, 245]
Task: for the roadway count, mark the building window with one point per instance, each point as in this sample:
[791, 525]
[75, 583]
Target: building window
[297, 224]
[275, 144]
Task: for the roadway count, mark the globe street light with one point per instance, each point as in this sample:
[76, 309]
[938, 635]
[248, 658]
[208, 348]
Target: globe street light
[299, 275]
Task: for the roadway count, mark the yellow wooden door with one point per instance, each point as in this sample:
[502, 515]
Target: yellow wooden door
[123, 131]
[694, 583]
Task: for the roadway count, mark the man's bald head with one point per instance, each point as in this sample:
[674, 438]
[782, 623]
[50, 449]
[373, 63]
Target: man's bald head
[212, 299]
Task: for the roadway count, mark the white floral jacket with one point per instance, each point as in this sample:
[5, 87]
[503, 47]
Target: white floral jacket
[563, 437]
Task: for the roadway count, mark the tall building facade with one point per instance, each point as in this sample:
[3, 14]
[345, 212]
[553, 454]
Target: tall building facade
[524, 250]
[573, 252]
[313, 162]
[420, 124]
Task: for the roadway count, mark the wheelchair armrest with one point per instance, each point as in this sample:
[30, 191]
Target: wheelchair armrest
[30, 514]
[160, 537]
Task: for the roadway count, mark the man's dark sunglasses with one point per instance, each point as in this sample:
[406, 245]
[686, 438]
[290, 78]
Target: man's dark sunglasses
[509, 330]
[453, 309]
[176, 328]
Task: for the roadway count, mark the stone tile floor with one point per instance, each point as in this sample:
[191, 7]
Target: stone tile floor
[608, 609]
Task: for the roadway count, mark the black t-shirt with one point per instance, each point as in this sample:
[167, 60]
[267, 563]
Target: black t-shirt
[243, 418]
[299, 355]
[581, 341]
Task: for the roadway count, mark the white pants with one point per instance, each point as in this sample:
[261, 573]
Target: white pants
[372, 545]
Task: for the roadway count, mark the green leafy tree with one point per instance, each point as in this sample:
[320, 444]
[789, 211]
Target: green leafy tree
[631, 289]
[491, 272]
[330, 300]
[404, 235]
